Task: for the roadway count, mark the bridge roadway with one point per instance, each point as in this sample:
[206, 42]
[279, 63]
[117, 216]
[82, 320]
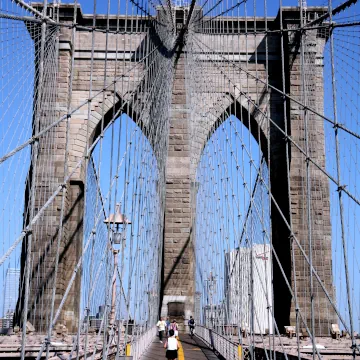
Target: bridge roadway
[192, 349]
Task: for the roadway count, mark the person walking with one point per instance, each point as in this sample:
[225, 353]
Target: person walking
[168, 323]
[174, 326]
[161, 326]
[171, 346]
[191, 324]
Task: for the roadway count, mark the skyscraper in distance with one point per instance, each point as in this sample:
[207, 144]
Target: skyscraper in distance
[248, 279]
[11, 291]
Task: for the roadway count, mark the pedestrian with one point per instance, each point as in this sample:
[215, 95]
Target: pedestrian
[167, 326]
[191, 324]
[171, 346]
[174, 326]
[161, 326]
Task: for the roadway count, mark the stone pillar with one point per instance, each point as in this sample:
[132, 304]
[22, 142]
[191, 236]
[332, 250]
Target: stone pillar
[178, 281]
[52, 155]
[319, 184]
[49, 175]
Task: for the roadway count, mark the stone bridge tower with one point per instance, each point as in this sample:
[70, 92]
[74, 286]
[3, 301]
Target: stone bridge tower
[178, 267]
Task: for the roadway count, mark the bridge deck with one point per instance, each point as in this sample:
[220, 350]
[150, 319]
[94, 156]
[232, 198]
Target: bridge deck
[193, 349]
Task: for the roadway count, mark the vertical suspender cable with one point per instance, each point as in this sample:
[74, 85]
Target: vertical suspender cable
[308, 180]
[87, 309]
[338, 172]
[34, 161]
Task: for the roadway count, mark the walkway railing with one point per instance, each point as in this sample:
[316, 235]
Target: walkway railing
[219, 343]
[140, 344]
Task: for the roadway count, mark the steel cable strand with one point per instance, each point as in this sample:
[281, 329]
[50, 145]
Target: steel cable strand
[267, 299]
[50, 90]
[339, 179]
[64, 192]
[304, 255]
[99, 169]
[303, 44]
[86, 172]
[112, 137]
[279, 263]
[62, 118]
[76, 269]
[289, 138]
[59, 188]
[32, 192]
[338, 125]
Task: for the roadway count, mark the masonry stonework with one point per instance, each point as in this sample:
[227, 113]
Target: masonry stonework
[179, 257]
[178, 239]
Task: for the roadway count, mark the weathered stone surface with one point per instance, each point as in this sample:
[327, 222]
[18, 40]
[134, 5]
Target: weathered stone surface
[179, 264]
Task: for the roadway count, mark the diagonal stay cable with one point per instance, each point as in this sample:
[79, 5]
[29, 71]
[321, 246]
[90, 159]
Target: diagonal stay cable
[81, 259]
[257, 182]
[97, 185]
[289, 138]
[222, 13]
[333, 12]
[56, 192]
[62, 118]
[258, 79]
[34, 11]
[313, 270]
[293, 236]
[267, 235]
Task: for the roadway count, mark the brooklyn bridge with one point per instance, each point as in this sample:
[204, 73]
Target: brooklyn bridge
[188, 165]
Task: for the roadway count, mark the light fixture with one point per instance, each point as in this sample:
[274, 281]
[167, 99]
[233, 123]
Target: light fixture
[118, 219]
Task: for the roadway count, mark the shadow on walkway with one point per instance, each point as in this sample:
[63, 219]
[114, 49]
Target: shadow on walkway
[194, 349]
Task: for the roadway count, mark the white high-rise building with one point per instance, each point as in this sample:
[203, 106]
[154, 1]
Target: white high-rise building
[11, 292]
[239, 270]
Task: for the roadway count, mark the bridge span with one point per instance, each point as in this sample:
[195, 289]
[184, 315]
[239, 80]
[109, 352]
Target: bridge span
[177, 159]
[205, 344]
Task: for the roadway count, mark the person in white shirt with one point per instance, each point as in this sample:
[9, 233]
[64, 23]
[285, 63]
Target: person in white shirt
[171, 346]
[161, 326]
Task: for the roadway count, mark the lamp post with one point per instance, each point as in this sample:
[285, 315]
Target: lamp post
[117, 219]
[118, 236]
[211, 288]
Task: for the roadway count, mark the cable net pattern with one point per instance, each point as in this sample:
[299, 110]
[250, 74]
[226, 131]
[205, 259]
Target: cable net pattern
[198, 156]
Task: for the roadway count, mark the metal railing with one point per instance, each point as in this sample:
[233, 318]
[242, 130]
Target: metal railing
[219, 343]
[140, 344]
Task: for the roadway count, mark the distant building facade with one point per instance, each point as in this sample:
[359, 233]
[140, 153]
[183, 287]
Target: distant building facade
[11, 292]
[6, 323]
[239, 270]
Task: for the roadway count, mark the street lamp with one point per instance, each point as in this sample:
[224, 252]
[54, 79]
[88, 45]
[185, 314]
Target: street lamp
[117, 219]
[211, 289]
[118, 237]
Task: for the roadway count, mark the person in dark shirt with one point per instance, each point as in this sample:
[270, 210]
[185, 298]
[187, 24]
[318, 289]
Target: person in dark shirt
[191, 324]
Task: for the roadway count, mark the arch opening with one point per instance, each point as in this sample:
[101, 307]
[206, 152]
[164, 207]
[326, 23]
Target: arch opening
[232, 222]
[123, 176]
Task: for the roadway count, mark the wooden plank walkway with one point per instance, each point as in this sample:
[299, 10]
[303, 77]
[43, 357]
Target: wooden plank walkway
[193, 349]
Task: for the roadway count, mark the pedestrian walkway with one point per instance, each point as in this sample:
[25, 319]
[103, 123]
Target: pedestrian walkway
[193, 349]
